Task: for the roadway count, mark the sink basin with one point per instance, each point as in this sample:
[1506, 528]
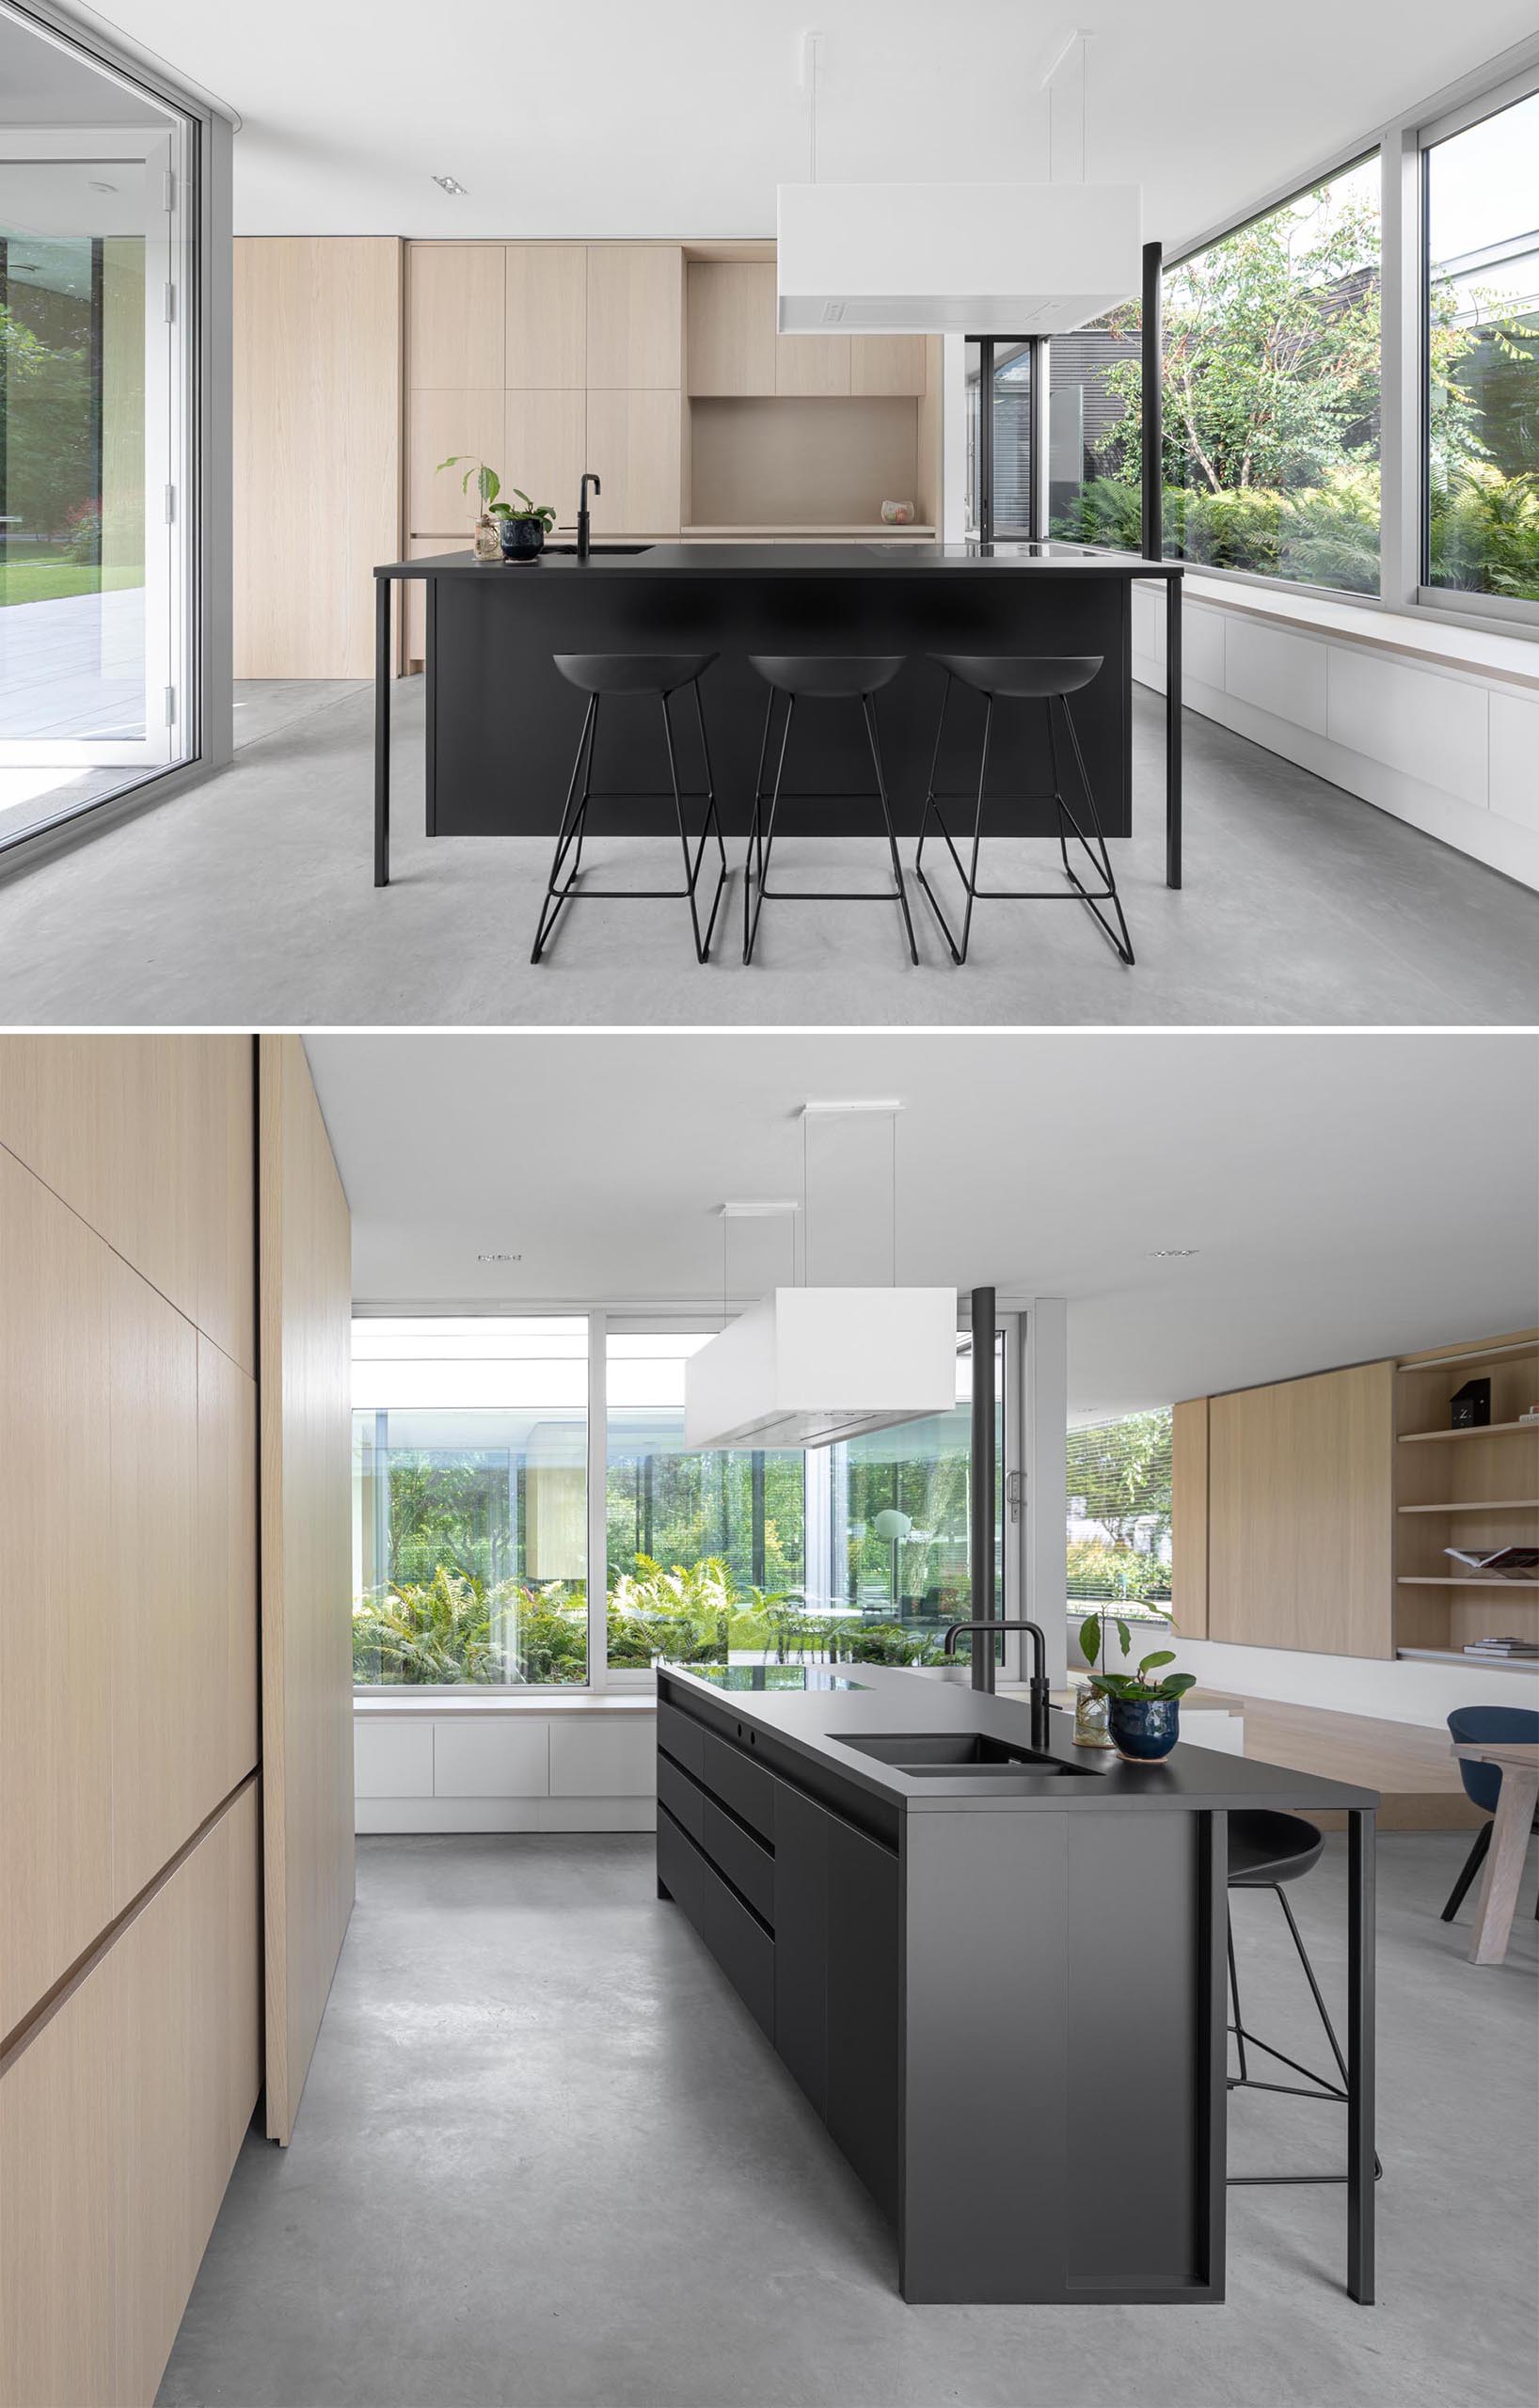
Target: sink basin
[594, 549]
[940, 1755]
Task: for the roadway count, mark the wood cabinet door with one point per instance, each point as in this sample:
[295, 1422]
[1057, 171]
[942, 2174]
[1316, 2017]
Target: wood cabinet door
[635, 316]
[633, 446]
[454, 421]
[1300, 1529]
[731, 327]
[454, 315]
[887, 364]
[812, 364]
[543, 443]
[547, 316]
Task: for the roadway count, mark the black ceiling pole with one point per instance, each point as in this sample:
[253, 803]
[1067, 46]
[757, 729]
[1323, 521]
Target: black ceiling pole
[981, 1550]
[1152, 404]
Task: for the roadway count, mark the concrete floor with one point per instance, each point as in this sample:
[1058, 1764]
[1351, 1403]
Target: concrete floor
[544, 2160]
[250, 902]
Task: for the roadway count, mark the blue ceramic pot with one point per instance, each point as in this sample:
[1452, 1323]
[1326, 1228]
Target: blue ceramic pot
[523, 539]
[1144, 1728]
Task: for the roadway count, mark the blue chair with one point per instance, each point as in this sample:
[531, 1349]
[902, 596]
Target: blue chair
[1513, 1725]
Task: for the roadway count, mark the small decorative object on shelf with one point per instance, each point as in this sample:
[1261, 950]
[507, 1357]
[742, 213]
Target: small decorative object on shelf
[1144, 1715]
[1532, 1414]
[489, 542]
[1090, 1718]
[1499, 1563]
[1469, 1407]
[898, 514]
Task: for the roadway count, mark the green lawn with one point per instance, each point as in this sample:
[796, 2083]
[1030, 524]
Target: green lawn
[55, 580]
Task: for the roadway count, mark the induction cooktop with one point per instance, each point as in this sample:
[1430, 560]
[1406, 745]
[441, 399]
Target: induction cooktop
[771, 1676]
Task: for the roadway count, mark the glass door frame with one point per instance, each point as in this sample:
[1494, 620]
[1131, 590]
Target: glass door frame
[984, 450]
[170, 316]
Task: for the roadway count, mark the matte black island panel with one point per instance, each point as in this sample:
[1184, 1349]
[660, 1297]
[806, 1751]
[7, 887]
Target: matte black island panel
[942, 1956]
[503, 724]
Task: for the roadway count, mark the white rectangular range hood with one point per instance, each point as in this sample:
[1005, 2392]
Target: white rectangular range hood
[1015, 259]
[806, 1365]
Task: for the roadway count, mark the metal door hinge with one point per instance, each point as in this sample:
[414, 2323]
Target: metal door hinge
[1015, 1493]
[170, 190]
[170, 304]
[171, 505]
[171, 706]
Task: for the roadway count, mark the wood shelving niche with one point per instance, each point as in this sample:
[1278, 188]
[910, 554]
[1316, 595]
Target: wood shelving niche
[1467, 1488]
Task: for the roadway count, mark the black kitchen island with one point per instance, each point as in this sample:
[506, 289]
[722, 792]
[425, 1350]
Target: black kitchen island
[997, 1971]
[502, 724]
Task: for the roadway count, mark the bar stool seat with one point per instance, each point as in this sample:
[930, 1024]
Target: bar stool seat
[832, 679]
[1266, 1849]
[1048, 679]
[1020, 678]
[632, 672]
[814, 677]
[620, 674]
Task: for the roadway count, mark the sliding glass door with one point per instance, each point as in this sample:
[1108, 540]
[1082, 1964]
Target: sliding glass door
[94, 502]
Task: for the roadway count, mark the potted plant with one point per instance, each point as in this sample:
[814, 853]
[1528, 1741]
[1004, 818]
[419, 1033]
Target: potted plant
[523, 532]
[1144, 1714]
[1091, 1702]
[489, 485]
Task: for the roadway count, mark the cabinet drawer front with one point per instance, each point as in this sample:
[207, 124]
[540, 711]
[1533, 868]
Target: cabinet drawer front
[747, 1788]
[684, 1740]
[681, 1868]
[748, 1866]
[741, 1947]
[679, 1795]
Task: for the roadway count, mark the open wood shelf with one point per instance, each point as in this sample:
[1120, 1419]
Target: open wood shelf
[1460, 1580]
[1529, 1664]
[1477, 1505]
[1482, 1429]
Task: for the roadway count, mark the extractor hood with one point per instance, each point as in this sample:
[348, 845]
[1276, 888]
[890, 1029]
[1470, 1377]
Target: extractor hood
[986, 258]
[807, 1365]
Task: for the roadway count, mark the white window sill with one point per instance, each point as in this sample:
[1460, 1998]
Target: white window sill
[1476, 651]
[540, 1703]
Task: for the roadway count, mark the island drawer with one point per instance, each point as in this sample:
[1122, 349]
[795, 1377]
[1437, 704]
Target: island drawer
[681, 1868]
[747, 1788]
[748, 1866]
[741, 1947]
[683, 1799]
[684, 1740]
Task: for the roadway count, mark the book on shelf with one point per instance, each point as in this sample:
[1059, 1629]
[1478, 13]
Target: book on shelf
[1501, 1647]
[1507, 1562]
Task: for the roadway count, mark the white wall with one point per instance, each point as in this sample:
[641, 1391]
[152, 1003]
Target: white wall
[1450, 749]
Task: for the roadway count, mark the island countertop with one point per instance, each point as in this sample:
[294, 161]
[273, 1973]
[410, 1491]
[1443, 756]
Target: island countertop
[817, 1725]
[856, 558]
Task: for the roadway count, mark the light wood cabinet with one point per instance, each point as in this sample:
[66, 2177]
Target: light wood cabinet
[887, 364]
[544, 444]
[1300, 1513]
[460, 422]
[634, 445]
[731, 327]
[220, 1742]
[635, 316]
[1473, 1488]
[456, 310]
[812, 365]
[547, 316]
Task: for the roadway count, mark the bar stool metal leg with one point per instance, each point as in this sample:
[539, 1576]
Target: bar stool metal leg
[760, 840]
[1099, 856]
[868, 707]
[559, 890]
[1314, 2086]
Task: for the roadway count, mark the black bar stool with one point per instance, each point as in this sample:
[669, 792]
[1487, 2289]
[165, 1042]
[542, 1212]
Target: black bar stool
[1050, 682]
[825, 679]
[601, 674]
[1267, 1849]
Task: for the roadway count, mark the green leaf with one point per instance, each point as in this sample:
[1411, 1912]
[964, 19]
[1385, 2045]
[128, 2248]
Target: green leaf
[1161, 1656]
[1089, 1637]
[1127, 1636]
[1176, 1684]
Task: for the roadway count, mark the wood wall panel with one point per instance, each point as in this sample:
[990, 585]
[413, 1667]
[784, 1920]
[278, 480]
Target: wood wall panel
[55, 1801]
[150, 1140]
[731, 327]
[546, 448]
[451, 421]
[635, 316]
[638, 436]
[888, 364]
[1300, 1513]
[222, 1743]
[317, 448]
[120, 2118]
[1189, 1517]
[546, 317]
[306, 1667]
[455, 332]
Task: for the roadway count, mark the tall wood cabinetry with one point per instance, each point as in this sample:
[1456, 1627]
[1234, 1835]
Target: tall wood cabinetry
[131, 1880]
[1316, 1514]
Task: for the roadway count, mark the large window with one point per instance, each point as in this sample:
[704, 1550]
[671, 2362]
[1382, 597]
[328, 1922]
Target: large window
[1481, 299]
[469, 1501]
[1271, 392]
[1001, 445]
[99, 320]
[1091, 497]
[1118, 1489]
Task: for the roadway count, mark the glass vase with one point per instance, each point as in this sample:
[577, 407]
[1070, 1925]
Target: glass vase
[1091, 1718]
[488, 540]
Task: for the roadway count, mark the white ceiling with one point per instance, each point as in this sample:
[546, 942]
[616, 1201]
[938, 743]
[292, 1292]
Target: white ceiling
[677, 118]
[43, 84]
[1349, 1195]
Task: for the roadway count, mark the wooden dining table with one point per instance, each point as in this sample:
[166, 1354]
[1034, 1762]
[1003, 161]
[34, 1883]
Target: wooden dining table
[1519, 1765]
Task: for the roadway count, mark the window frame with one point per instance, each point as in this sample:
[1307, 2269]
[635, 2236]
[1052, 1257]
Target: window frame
[984, 450]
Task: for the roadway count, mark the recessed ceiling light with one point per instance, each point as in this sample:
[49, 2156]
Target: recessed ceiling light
[1173, 1253]
[450, 184]
[499, 1258]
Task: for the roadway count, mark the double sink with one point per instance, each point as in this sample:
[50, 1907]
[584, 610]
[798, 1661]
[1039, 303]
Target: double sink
[936, 1755]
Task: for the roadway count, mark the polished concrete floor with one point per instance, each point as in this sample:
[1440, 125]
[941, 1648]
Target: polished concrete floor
[544, 2160]
[250, 902]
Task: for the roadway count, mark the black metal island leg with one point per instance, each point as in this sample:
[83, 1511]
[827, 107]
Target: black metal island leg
[382, 731]
[1361, 2164]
